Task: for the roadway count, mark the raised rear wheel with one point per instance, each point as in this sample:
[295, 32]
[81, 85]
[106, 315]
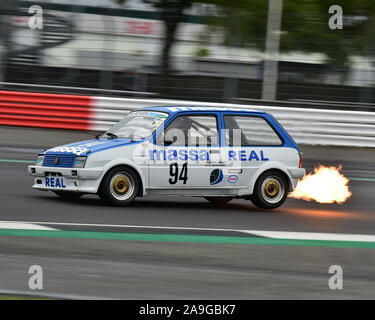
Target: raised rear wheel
[270, 190]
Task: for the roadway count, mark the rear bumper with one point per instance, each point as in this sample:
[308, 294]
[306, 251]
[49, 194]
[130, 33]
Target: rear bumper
[296, 174]
[85, 180]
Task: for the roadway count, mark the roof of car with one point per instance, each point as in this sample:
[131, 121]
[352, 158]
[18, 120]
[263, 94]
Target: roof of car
[176, 109]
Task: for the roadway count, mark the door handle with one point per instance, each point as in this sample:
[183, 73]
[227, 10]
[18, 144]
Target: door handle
[216, 154]
[218, 164]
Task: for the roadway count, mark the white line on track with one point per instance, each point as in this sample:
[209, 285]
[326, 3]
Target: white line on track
[263, 233]
[115, 225]
[312, 235]
[23, 226]
[51, 295]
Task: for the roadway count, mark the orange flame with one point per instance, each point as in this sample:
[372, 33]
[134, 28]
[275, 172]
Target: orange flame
[324, 185]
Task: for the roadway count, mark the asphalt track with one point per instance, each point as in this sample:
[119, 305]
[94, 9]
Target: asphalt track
[152, 267]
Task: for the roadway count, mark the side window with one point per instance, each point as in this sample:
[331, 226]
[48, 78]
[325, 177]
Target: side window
[190, 130]
[249, 131]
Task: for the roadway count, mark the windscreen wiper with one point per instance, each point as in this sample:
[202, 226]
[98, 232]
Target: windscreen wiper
[112, 135]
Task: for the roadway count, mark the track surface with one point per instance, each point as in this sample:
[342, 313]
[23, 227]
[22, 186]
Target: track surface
[131, 269]
[20, 202]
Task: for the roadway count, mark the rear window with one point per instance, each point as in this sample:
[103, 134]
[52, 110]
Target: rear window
[249, 131]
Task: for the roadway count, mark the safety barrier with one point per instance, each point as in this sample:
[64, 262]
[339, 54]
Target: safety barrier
[74, 112]
[45, 110]
[305, 125]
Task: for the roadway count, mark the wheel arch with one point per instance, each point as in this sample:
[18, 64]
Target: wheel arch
[282, 171]
[140, 177]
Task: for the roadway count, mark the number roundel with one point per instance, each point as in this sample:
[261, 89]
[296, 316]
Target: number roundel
[175, 175]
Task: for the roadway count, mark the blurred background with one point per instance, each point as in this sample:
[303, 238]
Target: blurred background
[291, 58]
[213, 50]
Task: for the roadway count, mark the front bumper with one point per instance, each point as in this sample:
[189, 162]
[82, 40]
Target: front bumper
[85, 180]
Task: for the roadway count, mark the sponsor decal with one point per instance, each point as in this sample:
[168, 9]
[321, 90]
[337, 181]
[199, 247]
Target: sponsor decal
[76, 150]
[137, 114]
[90, 144]
[53, 182]
[232, 178]
[247, 155]
[216, 176]
[152, 114]
[182, 155]
[175, 109]
[160, 115]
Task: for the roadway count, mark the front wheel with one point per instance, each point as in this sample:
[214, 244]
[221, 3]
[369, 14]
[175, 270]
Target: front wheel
[218, 200]
[270, 190]
[119, 186]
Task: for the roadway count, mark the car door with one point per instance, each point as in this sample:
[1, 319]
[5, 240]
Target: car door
[181, 154]
[250, 142]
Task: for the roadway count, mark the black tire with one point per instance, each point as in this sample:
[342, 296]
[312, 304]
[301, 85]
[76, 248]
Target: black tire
[68, 195]
[219, 200]
[270, 190]
[119, 186]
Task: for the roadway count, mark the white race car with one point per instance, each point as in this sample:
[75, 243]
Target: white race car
[215, 153]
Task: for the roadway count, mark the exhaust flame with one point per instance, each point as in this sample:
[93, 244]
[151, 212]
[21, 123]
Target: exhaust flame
[324, 185]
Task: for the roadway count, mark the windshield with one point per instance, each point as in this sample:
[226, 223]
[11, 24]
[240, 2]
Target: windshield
[138, 125]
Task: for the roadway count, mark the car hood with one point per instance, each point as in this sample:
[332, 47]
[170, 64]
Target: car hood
[83, 148]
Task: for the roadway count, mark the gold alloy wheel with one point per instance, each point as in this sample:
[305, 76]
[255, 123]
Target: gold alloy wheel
[122, 186]
[272, 189]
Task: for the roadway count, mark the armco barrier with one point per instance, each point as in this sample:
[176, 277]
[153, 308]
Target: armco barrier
[73, 112]
[305, 125]
[45, 110]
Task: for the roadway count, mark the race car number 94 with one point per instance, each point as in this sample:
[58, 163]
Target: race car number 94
[209, 309]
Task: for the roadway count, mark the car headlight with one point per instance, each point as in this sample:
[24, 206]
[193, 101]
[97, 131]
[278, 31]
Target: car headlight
[39, 161]
[79, 162]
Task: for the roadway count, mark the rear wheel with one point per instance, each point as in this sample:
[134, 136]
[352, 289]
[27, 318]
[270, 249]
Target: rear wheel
[270, 190]
[119, 186]
[218, 200]
[68, 195]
